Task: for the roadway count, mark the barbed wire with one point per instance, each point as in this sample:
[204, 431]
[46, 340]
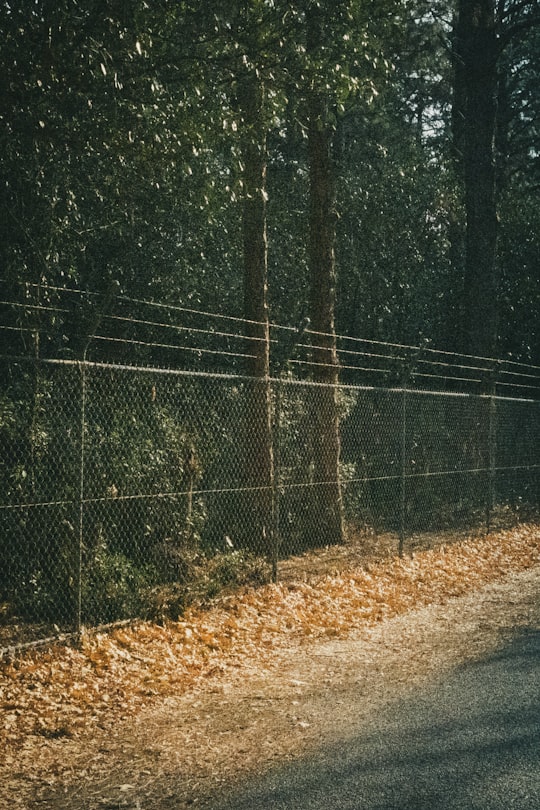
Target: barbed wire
[37, 307]
[190, 329]
[384, 357]
[176, 347]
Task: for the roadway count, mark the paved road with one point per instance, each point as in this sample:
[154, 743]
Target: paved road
[469, 742]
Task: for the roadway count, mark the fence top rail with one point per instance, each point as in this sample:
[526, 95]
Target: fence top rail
[273, 380]
[95, 364]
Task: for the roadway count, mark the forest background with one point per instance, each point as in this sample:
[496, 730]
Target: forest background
[134, 134]
[366, 169]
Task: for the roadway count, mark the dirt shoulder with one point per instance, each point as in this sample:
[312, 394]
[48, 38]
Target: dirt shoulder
[249, 710]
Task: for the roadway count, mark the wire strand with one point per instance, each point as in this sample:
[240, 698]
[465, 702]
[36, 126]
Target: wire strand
[190, 329]
[426, 355]
[194, 349]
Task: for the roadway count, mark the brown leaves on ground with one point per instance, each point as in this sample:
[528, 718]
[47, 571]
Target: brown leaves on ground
[64, 692]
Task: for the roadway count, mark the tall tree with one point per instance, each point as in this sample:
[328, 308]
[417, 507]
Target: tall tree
[258, 452]
[476, 51]
[484, 30]
[238, 44]
[328, 524]
[342, 61]
[518, 178]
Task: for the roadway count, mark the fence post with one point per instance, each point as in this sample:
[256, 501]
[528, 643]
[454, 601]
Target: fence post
[403, 479]
[275, 482]
[80, 533]
[490, 385]
[277, 380]
[406, 375]
[491, 470]
[89, 322]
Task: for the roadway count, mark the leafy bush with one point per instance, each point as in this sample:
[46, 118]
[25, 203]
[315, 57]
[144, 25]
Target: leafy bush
[209, 577]
[113, 588]
[236, 568]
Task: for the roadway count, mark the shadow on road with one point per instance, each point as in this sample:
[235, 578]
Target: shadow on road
[469, 742]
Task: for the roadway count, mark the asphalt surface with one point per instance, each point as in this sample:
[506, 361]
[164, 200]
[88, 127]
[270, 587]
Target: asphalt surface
[470, 741]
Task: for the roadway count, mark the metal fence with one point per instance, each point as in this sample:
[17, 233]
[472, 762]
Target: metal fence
[128, 491]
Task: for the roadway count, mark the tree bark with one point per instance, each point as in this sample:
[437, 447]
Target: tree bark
[258, 456]
[327, 513]
[476, 51]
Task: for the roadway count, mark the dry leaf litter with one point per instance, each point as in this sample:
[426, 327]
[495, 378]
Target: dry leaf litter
[50, 696]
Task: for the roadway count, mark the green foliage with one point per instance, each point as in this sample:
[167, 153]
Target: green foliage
[121, 149]
[122, 145]
[209, 578]
[234, 569]
[114, 587]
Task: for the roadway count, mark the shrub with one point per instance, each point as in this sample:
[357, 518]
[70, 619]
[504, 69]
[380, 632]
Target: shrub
[113, 588]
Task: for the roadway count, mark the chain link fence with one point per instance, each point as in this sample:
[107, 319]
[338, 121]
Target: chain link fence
[129, 492]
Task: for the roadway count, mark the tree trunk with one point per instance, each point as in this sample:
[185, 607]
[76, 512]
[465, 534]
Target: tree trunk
[257, 457]
[476, 52]
[328, 524]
